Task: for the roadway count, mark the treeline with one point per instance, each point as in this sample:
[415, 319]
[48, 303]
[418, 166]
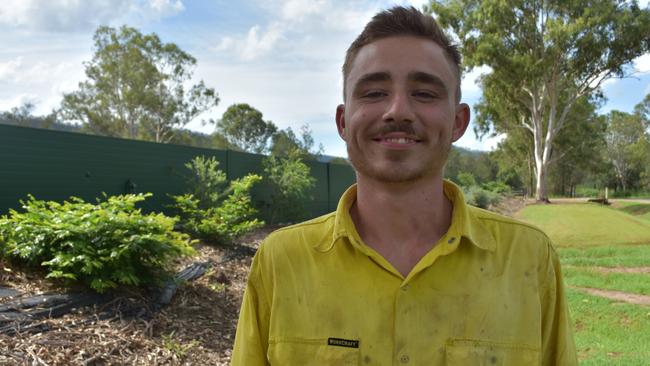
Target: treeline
[139, 87]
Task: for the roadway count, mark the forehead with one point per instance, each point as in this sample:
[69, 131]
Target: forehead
[398, 56]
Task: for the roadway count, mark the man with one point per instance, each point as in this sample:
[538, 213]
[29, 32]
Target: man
[404, 272]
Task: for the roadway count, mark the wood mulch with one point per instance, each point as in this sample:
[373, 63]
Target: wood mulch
[196, 328]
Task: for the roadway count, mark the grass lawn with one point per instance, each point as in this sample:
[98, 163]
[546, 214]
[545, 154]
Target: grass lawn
[607, 332]
[636, 283]
[640, 210]
[584, 224]
[609, 256]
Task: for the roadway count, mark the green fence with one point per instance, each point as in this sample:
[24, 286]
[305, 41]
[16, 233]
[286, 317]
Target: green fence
[54, 165]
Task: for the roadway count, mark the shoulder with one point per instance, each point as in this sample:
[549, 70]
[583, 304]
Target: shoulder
[302, 237]
[494, 219]
[508, 231]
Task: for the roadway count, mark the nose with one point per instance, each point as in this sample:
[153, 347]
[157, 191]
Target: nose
[399, 108]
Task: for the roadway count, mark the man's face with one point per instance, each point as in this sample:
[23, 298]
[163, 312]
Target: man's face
[400, 114]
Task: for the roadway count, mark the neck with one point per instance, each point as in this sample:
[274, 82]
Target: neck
[413, 214]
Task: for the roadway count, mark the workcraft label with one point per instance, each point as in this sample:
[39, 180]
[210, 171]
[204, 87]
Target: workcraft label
[343, 342]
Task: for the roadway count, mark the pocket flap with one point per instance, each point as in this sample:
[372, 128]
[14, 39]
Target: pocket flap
[488, 353]
[311, 352]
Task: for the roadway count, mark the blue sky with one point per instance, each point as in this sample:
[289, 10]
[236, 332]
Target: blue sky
[282, 57]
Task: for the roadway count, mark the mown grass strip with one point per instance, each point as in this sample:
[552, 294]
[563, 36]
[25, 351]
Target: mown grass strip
[639, 210]
[607, 256]
[636, 283]
[609, 333]
[585, 225]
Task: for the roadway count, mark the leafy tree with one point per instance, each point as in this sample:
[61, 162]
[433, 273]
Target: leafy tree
[543, 55]
[285, 141]
[577, 153]
[627, 147]
[244, 127]
[290, 180]
[462, 160]
[24, 116]
[137, 87]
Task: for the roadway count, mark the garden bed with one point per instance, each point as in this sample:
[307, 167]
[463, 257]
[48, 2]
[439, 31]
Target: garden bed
[197, 327]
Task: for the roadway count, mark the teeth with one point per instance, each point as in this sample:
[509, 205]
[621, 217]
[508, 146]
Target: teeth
[400, 140]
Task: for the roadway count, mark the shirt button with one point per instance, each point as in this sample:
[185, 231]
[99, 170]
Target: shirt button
[404, 359]
[451, 240]
[405, 287]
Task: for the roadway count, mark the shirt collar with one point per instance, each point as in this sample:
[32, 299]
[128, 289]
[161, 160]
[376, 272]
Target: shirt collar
[463, 222]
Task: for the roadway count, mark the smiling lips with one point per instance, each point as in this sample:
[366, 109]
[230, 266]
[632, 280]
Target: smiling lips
[397, 140]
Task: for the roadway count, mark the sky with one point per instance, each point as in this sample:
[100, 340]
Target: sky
[282, 57]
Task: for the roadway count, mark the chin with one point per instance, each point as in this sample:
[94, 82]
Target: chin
[391, 172]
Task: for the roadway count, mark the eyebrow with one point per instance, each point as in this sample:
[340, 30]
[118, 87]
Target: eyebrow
[423, 77]
[418, 76]
[370, 78]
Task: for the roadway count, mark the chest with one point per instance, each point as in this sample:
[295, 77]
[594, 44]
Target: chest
[374, 315]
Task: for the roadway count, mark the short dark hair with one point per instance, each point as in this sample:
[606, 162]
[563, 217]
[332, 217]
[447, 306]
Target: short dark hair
[403, 21]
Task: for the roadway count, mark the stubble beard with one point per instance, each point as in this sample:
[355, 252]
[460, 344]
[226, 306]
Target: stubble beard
[396, 168]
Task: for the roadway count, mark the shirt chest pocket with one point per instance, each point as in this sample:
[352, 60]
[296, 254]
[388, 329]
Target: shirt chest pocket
[308, 352]
[486, 353]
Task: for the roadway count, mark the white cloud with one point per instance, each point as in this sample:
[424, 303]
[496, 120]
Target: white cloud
[297, 10]
[9, 69]
[75, 15]
[163, 8]
[257, 44]
[642, 64]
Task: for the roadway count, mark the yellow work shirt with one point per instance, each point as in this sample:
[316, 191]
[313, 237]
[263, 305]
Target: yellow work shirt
[490, 292]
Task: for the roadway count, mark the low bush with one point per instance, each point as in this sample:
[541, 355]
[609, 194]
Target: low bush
[290, 179]
[218, 214]
[104, 245]
[499, 188]
[479, 197]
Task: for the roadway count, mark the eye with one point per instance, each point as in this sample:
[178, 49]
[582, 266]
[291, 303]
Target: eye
[374, 94]
[425, 95]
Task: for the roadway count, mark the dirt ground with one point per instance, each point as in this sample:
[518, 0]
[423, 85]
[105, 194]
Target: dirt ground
[197, 328]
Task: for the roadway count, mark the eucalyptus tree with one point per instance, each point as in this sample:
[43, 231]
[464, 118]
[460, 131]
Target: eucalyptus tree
[628, 147]
[543, 56]
[137, 87]
[244, 127]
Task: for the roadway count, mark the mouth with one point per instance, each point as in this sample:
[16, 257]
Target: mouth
[397, 141]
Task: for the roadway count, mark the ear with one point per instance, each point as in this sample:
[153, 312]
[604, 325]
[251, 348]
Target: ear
[461, 121]
[340, 120]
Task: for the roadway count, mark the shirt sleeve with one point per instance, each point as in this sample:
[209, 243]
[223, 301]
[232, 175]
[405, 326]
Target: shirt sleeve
[251, 340]
[558, 347]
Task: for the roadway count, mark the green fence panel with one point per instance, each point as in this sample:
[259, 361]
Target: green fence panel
[340, 178]
[54, 165]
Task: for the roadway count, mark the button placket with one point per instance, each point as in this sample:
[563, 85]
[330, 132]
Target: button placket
[403, 304]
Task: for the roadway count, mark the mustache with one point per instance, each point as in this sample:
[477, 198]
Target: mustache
[405, 127]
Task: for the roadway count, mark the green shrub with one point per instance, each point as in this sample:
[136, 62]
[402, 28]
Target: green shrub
[480, 197]
[290, 180]
[466, 179]
[216, 217]
[497, 187]
[206, 182]
[102, 246]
